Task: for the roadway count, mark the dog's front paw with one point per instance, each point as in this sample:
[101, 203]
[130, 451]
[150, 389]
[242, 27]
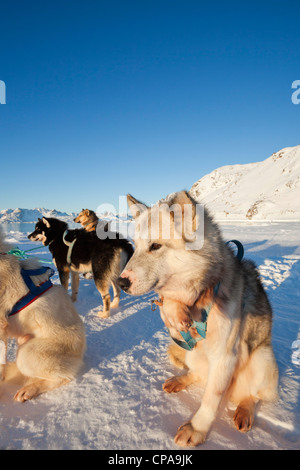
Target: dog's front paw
[23, 395]
[104, 314]
[174, 385]
[243, 419]
[115, 303]
[187, 436]
[184, 325]
[27, 393]
[181, 321]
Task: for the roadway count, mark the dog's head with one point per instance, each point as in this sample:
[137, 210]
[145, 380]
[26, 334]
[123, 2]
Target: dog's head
[82, 216]
[46, 230]
[168, 243]
[85, 216]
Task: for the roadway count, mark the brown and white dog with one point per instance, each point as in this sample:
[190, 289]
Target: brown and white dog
[88, 219]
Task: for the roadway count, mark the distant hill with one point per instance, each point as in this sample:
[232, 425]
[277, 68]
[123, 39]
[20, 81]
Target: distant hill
[267, 190]
[32, 215]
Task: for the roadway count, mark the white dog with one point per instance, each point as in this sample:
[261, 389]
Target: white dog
[49, 331]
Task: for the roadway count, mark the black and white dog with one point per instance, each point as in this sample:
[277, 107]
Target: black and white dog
[78, 251]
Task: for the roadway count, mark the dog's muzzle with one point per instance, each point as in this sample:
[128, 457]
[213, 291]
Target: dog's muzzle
[124, 283]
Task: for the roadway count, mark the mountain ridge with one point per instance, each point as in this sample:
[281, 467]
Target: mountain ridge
[266, 190]
[20, 215]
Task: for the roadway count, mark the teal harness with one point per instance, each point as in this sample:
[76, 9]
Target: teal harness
[188, 341]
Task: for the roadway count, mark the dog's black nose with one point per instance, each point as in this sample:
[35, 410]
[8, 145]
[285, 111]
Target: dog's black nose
[124, 283]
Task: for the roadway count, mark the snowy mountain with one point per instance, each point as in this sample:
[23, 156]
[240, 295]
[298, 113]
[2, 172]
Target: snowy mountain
[32, 215]
[267, 190]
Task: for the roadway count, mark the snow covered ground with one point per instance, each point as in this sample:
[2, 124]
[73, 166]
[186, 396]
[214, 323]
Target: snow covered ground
[117, 402]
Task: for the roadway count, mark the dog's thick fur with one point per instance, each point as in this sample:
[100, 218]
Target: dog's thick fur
[49, 331]
[236, 359]
[104, 258]
[88, 219]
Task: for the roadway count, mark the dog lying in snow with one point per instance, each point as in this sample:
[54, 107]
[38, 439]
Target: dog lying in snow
[49, 331]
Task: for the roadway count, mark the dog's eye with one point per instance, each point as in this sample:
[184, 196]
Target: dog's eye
[154, 246]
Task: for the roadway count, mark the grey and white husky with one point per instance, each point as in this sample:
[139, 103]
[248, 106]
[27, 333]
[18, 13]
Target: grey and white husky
[235, 359]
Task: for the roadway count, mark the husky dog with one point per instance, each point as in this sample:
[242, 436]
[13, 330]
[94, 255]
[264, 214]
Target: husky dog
[49, 331]
[90, 222]
[80, 251]
[235, 360]
[88, 219]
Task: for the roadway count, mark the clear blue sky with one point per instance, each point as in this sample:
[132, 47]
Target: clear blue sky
[105, 97]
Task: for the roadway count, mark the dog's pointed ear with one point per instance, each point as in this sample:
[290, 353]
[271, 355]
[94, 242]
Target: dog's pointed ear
[136, 207]
[182, 198]
[87, 212]
[183, 208]
[46, 222]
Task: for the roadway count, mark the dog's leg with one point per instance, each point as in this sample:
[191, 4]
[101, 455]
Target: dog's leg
[64, 278]
[220, 373]
[37, 386]
[46, 365]
[244, 414]
[75, 285]
[117, 293]
[103, 288]
[256, 381]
